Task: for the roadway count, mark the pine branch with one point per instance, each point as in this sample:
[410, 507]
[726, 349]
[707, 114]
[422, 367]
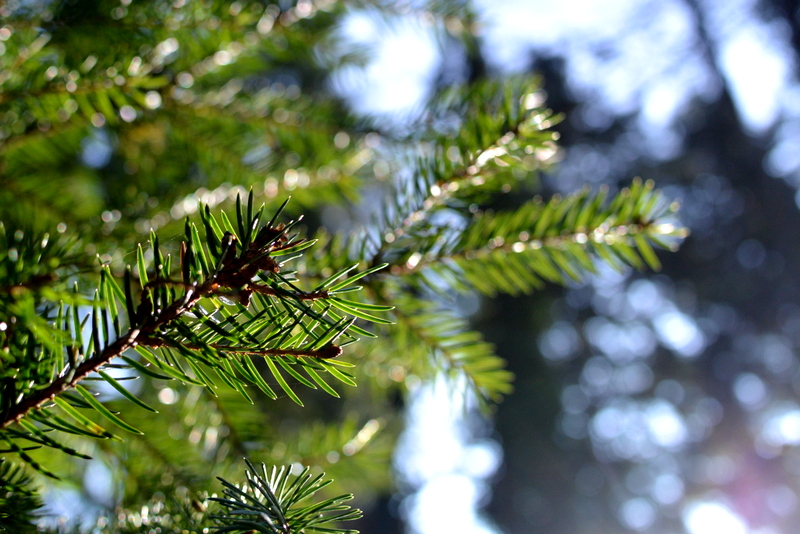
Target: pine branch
[328, 352]
[270, 503]
[452, 347]
[514, 251]
[115, 349]
[470, 160]
[431, 235]
[18, 504]
[242, 264]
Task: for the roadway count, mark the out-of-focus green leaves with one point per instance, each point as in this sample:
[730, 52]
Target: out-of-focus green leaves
[18, 501]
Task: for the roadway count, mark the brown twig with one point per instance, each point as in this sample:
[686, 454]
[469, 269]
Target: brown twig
[444, 188]
[263, 289]
[325, 353]
[123, 343]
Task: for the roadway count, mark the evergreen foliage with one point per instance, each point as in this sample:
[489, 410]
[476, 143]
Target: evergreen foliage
[18, 502]
[208, 115]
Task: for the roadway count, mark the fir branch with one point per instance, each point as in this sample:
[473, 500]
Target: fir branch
[238, 260]
[325, 353]
[270, 502]
[458, 349]
[18, 503]
[468, 160]
[551, 241]
[263, 289]
[48, 393]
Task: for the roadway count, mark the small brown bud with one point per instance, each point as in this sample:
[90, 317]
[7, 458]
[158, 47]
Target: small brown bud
[244, 297]
[331, 351]
[228, 249]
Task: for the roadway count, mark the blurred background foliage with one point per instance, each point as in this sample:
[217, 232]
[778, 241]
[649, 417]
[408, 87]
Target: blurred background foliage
[663, 403]
[659, 403]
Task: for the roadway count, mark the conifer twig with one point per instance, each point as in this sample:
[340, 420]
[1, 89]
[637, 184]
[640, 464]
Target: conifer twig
[146, 324]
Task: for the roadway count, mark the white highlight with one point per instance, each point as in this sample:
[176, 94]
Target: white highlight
[404, 56]
[434, 455]
[712, 518]
[679, 332]
[757, 72]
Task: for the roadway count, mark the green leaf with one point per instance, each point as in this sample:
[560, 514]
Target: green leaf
[357, 313]
[124, 392]
[226, 223]
[144, 369]
[199, 250]
[105, 412]
[647, 252]
[85, 421]
[324, 385]
[342, 377]
[140, 264]
[282, 382]
[259, 380]
[363, 305]
[168, 369]
[48, 441]
[336, 276]
[294, 249]
[297, 376]
[358, 276]
[26, 458]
